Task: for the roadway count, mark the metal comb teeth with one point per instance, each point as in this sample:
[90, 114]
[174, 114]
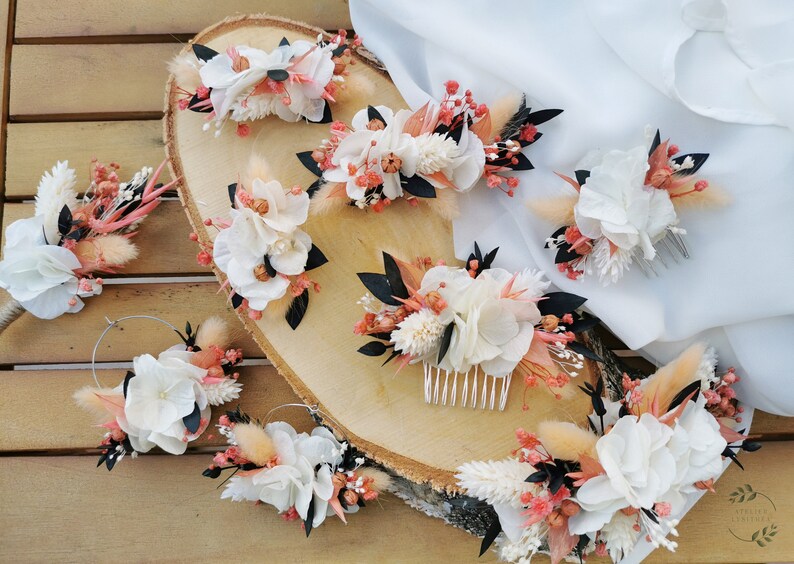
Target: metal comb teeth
[470, 389]
[672, 246]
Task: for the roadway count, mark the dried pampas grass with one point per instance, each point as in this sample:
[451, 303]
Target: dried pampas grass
[98, 253]
[566, 441]
[445, 204]
[213, 331]
[558, 210]
[185, 68]
[258, 167]
[502, 110]
[669, 380]
[712, 197]
[254, 443]
[88, 399]
[327, 199]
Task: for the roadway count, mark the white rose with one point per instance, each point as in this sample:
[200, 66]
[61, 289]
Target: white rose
[615, 203]
[639, 470]
[39, 276]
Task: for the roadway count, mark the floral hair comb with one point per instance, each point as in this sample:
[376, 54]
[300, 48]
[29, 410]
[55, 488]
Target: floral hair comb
[624, 211]
[164, 401]
[295, 81]
[51, 260]
[261, 250]
[571, 491]
[433, 153]
[306, 477]
[468, 324]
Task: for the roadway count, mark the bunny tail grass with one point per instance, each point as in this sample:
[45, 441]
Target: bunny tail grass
[10, 312]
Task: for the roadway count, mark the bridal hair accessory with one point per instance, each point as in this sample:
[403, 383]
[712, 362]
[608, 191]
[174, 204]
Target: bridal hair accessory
[625, 211]
[431, 154]
[261, 250]
[295, 81]
[569, 491]
[306, 477]
[473, 328]
[51, 260]
[164, 401]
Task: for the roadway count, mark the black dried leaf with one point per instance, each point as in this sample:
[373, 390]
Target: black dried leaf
[78, 234]
[373, 348]
[307, 523]
[188, 328]
[521, 164]
[65, 221]
[584, 351]
[312, 190]
[490, 534]
[232, 192]
[238, 416]
[560, 303]
[269, 267]
[284, 42]
[316, 258]
[297, 309]
[373, 113]
[392, 356]
[537, 477]
[378, 285]
[556, 234]
[565, 253]
[581, 176]
[556, 481]
[193, 420]
[698, 158]
[279, 75]
[204, 53]
[212, 472]
[193, 106]
[694, 387]
[542, 116]
[311, 165]
[750, 446]
[381, 336]
[446, 339]
[395, 278]
[417, 186]
[327, 117]
[339, 51]
[583, 324]
[130, 375]
[732, 455]
[111, 458]
[657, 140]
[488, 259]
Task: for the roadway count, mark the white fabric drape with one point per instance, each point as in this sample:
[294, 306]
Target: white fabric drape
[715, 76]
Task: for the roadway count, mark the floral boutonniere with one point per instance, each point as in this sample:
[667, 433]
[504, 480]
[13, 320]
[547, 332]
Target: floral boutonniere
[306, 477]
[466, 324]
[295, 81]
[431, 154]
[165, 401]
[53, 259]
[625, 211]
[261, 248]
[573, 491]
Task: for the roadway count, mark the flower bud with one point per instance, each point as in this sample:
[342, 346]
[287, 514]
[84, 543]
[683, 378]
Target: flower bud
[260, 206]
[260, 273]
[351, 497]
[549, 322]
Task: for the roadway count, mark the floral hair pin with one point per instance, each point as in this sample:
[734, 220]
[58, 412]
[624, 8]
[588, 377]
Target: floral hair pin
[306, 477]
[433, 153]
[625, 211]
[468, 324]
[261, 250]
[164, 401]
[53, 259]
[571, 491]
[295, 81]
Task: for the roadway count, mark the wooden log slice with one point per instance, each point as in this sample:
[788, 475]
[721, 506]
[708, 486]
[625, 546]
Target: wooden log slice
[380, 412]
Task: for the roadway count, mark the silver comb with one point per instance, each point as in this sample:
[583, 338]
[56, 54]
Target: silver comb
[671, 245]
[470, 389]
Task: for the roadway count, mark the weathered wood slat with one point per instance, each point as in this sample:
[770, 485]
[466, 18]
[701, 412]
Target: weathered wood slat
[71, 339]
[45, 18]
[162, 240]
[65, 426]
[35, 147]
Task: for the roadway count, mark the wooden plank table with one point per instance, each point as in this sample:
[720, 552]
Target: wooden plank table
[86, 79]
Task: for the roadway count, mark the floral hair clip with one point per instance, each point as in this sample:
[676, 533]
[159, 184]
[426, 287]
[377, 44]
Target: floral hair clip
[295, 81]
[625, 211]
[261, 250]
[571, 491]
[164, 401]
[433, 153]
[50, 260]
[306, 477]
[476, 322]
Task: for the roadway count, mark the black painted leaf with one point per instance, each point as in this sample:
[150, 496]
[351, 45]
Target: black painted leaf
[382, 336]
[111, 460]
[560, 303]
[192, 105]
[311, 190]
[490, 535]
[556, 482]
[193, 420]
[477, 252]
[657, 140]
[297, 309]
[487, 261]
[698, 158]
[378, 285]
[581, 176]
[584, 351]
[417, 186]
[327, 117]
[542, 116]
[522, 164]
[65, 221]
[212, 472]
[127, 378]
[284, 42]
[316, 258]
[306, 160]
[373, 348]
[556, 234]
[102, 458]
[203, 53]
[681, 396]
[232, 192]
[565, 253]
[392, 356]
[279, 75]
[269, 267]
[583, 324]
[373, 113]
[537, 477]
[446, 339]
[339, 51]
[394, 277]
[732, 455]
[750, 446]
[308, 522]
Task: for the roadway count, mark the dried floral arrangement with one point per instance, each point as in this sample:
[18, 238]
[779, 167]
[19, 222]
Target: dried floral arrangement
[294, 81]
[261, 249]
[473, 322]
[432, 154]
[55, 258]
[306, 477]
[624, 210]
[569, 491]
[165, 401]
